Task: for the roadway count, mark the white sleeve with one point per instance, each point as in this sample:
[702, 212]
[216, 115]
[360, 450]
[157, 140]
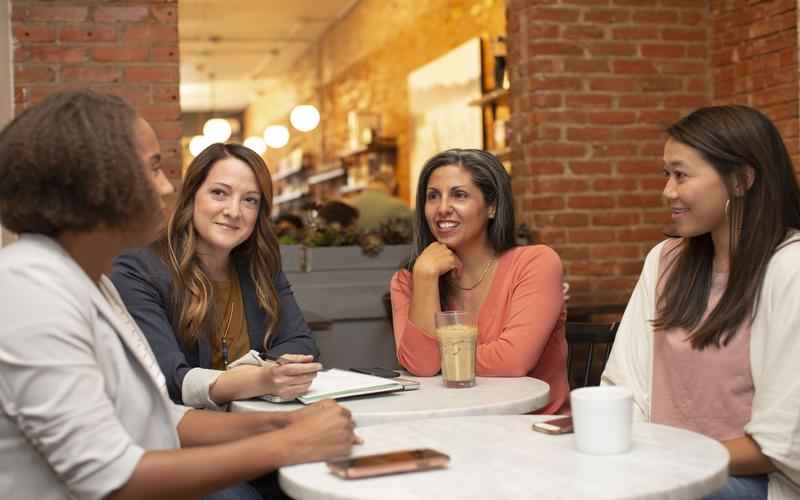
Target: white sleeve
[196, 388]
[630, 361]
[52, 388]
[774, 353]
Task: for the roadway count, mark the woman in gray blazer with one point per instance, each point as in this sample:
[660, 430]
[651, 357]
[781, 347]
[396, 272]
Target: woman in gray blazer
[84, 411]
[209, 294]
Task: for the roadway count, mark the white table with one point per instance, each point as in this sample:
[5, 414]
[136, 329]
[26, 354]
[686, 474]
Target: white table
[500, 457]
[489, 396]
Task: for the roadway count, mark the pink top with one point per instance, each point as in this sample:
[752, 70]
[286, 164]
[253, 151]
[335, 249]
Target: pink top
[520, 324]
[708, 391]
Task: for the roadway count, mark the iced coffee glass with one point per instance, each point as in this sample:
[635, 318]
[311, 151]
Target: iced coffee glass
[457, 334]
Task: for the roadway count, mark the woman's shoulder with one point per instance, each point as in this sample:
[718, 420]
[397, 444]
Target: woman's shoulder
[540, 255]
[140, 263]
[787, 255]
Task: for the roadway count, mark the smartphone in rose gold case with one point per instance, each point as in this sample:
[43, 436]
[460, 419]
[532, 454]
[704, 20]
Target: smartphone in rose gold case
[389, 463]
[557, 426]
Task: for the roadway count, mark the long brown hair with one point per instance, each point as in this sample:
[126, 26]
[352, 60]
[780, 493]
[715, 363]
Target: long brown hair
[192, 294]
[730, 139]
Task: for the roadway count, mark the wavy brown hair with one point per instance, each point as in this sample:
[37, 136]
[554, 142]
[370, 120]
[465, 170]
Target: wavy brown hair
[192, 296]
[730, 139]
[69, 163]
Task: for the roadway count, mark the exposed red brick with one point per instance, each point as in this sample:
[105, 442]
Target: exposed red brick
[34, 33]
[72, 44]
[590, 201]
[149, 33]
[55, 13]
[120, 54]
[87, 33]
[121, 13]
[97, 74]
[167, 14]
[151, 74]
[28, 74]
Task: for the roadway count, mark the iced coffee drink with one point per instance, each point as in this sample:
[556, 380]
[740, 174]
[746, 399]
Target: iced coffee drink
[457, 336]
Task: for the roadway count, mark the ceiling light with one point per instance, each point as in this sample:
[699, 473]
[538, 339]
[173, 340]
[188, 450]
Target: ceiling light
[304, 118]
[198, 144]
[256, 144]
[276, 136]
[217, 129]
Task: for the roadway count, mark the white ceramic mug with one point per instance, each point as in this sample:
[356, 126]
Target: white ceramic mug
[603, 417]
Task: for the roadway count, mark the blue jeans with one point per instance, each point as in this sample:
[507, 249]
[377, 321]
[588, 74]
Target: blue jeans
[262, 488]
[742, 488]
[241, 491]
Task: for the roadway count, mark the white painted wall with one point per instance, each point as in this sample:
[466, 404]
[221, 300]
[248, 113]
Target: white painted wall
[6, 86]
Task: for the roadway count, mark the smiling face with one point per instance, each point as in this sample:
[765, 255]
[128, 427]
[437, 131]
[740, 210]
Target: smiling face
[694, 191]
[226, 207]
[455, 208]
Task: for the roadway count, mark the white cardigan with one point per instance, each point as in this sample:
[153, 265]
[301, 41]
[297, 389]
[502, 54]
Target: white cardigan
[774, 357]
[81, 395]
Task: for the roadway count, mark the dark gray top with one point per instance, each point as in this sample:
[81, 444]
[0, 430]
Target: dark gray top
[145, 284]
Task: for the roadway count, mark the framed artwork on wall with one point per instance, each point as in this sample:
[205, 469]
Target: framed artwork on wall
[441, 117]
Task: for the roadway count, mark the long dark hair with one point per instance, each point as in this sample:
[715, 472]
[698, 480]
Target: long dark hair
[192, 296]
[731, 139]
[495, 185]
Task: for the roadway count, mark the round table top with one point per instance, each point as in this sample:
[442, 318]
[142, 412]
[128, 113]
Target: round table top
[489, 396]
[500, 457]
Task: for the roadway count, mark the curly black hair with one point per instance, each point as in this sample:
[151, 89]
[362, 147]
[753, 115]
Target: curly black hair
[70, 163]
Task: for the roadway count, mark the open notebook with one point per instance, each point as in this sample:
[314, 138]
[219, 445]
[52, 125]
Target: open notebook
[336, 383]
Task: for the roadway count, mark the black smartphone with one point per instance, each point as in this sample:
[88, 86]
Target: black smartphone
[377, 371]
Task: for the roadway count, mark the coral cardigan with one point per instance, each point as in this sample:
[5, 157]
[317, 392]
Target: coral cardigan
[520, 324]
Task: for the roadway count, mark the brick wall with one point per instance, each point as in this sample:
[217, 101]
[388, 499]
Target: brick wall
[593, 82]
[754, 60]
[128, 48]
[365, 59]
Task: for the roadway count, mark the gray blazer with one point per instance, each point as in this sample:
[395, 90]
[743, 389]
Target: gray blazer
[81, 397]
[145, 284]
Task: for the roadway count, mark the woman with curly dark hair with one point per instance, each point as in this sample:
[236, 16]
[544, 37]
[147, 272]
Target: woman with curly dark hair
[210, 295]
[84, 411]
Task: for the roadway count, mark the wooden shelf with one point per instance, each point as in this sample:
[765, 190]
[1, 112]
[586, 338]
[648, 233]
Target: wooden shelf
[489, 97]
[326, 175]
[287, 173]
[290, 196]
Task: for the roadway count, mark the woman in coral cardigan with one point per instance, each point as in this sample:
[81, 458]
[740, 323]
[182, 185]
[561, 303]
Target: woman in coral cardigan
[466, 258]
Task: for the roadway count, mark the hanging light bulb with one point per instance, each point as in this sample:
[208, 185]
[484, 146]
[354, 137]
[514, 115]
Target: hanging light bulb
[217, 130]
[304, 118]
[256, 143]
[198, 144]
[276, 136]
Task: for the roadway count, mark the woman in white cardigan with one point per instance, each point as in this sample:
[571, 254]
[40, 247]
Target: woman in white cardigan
[84, 410]
[711, 336]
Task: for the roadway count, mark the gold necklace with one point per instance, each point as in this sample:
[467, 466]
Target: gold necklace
[229, 309]
[483, 275]
[229, 306]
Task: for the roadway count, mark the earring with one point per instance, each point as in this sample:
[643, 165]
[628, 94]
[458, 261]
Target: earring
[491, 215]
[727, 206]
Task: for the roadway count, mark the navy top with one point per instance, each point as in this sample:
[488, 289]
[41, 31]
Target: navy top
[145, 285]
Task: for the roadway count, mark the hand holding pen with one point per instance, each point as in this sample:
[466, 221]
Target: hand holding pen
[291, 374]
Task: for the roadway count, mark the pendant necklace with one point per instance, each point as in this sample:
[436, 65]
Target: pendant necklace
[483, 275]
